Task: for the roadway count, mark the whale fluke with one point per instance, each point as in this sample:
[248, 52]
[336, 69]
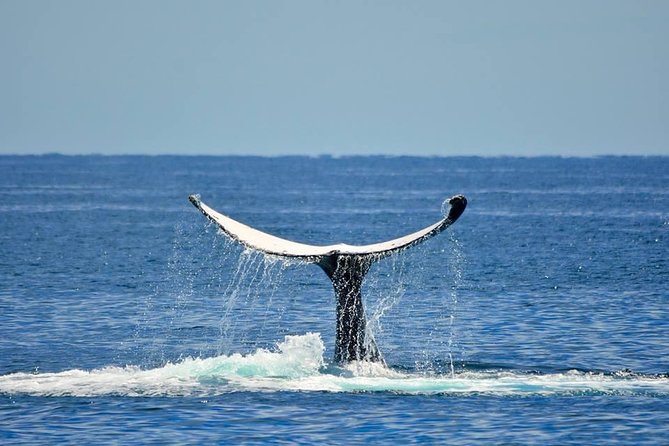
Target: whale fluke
[345, 265]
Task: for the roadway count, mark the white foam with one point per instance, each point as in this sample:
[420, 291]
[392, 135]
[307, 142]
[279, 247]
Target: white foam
[297, 365]
[296, 357]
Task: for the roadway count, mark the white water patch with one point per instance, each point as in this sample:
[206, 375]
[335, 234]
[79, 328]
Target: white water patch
[295, 358]
[297, 364]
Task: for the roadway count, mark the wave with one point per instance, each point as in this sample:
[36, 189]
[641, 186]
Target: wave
[297, 364]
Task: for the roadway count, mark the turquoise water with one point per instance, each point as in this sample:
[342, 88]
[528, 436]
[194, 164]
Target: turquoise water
[539, 317]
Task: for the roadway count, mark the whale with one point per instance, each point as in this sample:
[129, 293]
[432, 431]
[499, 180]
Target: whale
[345, 265]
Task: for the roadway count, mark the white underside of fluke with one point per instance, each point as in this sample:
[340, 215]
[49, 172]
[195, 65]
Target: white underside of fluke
[270, 244]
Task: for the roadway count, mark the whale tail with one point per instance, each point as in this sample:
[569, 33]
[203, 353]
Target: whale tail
[345, 265]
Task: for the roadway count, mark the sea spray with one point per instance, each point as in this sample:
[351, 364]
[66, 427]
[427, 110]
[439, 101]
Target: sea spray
[383, 290]
[297, 364]
[249, 309]
[295, 358]
[456, 263]
[168, 314]
[236, 286]
[246, 271]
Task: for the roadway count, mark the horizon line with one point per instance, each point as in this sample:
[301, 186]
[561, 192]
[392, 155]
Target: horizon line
[336, 155]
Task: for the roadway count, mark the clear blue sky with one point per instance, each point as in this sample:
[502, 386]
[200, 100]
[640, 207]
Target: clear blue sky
[340, 77]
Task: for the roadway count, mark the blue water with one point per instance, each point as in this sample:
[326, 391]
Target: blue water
[540, 317]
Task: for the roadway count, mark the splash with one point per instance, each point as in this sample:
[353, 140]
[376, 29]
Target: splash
[456, 266]
[297, 364]
[237, 287]
[295, 358]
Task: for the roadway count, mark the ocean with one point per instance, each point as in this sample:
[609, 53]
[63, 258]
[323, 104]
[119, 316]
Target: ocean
[540, 317]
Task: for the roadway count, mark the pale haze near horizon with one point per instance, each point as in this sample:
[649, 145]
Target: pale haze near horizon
[313, 77]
